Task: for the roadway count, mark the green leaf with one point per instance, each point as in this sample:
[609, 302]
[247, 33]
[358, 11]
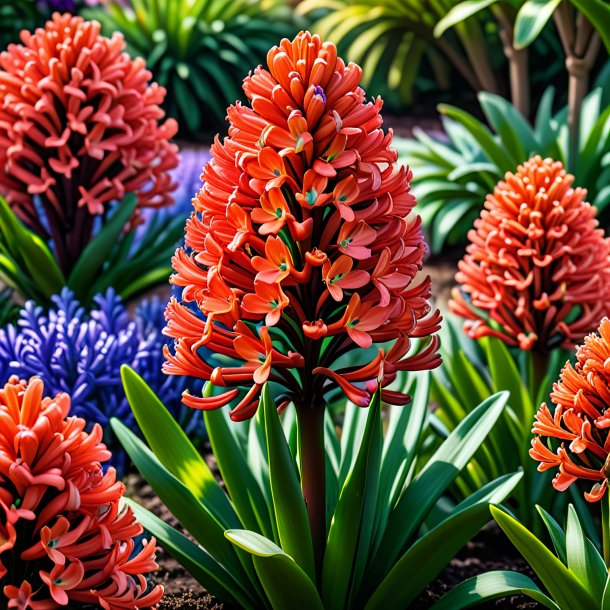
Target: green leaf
[290, 510]
[531, 19]
[598, 13]
[556, 533]
[561, 583]
[202, 566]
[194, 516]
[98, 250]
[460, 12]
[583, 559]
[605, 605]
[405, 425]
[434, 478]
[173, 448]
[494, 151]
[424, 561]
[28, 250]
[285, 583]
[516, 134]
[505, 376]
[244, 490]
[345, 549]
[490, 586]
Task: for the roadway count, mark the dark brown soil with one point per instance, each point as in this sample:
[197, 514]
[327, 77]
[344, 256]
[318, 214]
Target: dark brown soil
[489, 550]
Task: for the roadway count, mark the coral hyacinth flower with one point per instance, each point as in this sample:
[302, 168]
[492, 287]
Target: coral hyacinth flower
[302, 249]
[580, 423]
[303, 209]
[65, 541]
[80, 127]
[537, 269]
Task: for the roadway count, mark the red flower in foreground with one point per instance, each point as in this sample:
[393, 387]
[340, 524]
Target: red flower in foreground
[79, 128]
[537, 270]
[302, 251]
[581, 419]
[64, 539]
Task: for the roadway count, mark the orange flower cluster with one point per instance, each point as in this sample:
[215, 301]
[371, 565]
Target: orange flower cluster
[79, 128]
[581, 418]
[537, 270]
[64, 540]
[301, 247]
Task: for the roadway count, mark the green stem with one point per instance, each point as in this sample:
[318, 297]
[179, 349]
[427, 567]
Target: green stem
[313, 474]
[606, 528]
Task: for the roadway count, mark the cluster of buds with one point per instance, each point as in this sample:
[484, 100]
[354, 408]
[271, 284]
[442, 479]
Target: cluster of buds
[537, 269]
[80, 127]
[64, 538]
[302, 247]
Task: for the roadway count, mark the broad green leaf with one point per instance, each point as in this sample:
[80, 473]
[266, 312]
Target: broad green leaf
[556, 533]
[598, 13]
[346, 539]
[244, 490]
[285, 583]
[583, 559]
[351, 438]
[193, 515]
[290, 511]
[505, 376]
[459, 13]
[531, 19]
[200, 564]
[98, 250]
[434, 478]
[173, 448]
[605, 605]
[494, 151]
[424, 561]
[490, 586]
[401, 443]
[561, 583]
[28, 249]
[516, 134]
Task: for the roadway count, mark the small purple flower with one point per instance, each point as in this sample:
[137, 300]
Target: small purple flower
[81, 353]
[317, 90]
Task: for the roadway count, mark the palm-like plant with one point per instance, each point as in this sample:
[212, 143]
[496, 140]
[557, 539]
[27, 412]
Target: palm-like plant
[389, 38]
[14, 17]
[199, 50]
[452, 177]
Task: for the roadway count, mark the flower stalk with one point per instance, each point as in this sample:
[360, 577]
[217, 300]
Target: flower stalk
[313, 473]
[301, 254]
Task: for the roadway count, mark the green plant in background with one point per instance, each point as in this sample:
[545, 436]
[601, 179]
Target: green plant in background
[534, 281]
[472, 371]
[198, 50]
[16, 15]
[580, 34]
[572, 440]
[128, 261]
[574, 577]
[390, 39]
[452, 177]
[385, 540]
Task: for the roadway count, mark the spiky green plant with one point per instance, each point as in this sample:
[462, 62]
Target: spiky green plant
[198, 49]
